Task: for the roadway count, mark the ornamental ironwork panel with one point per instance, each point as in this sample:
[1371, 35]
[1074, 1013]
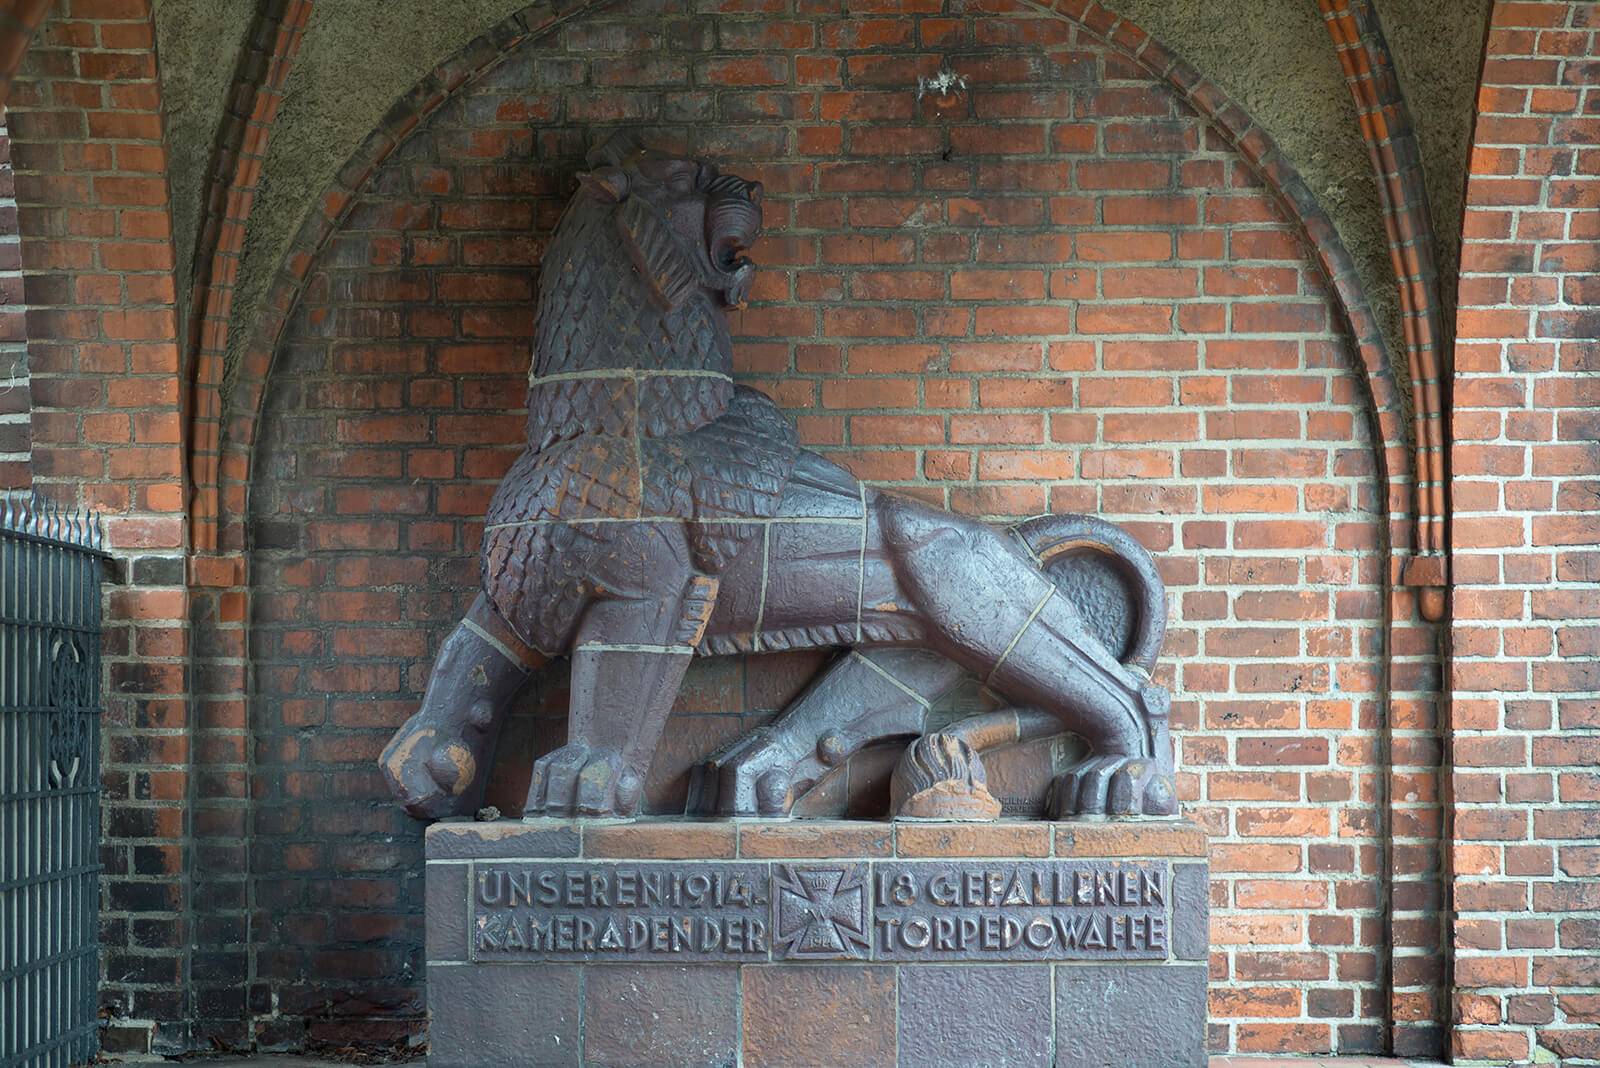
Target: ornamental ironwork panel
[50, 564]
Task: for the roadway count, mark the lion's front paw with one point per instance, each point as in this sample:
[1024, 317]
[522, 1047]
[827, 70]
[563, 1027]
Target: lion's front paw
[1113, 786]
[434, 771]
[577, 780]
[753, 776]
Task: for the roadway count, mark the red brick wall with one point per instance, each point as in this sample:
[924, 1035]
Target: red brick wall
[16, 436]
[1526, 639]
[90, 159]
[1058, 289]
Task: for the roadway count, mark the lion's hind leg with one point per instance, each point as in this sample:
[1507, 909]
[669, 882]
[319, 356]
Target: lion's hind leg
[1112, 582]
[990, 607]
[1122, 785]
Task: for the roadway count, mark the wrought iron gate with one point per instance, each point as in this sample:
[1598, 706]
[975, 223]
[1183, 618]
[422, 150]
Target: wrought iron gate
[49, 784]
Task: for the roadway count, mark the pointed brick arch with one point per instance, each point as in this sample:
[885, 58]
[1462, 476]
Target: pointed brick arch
[241, 406]
[241, 151]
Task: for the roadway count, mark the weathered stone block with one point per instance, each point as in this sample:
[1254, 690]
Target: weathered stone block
[461, 841]
[522, 1014]
[665, 840]
[447, 904]
[819, 838]
[1113, 1015]
[1191, 912]
[655, 1014]
[1004, 1022]
[828, 1016]
[972, 839]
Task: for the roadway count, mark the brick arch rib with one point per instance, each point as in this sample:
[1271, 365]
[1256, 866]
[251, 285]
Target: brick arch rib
[244, 399]
[230, 479]
[247, 126]
[1397, 167]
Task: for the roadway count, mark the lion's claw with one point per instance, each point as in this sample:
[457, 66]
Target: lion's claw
[754, 776]
[1113, 786]
[576, 780]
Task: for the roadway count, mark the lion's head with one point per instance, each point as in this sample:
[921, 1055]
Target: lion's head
[684, 223]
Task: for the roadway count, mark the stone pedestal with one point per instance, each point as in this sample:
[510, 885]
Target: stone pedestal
[766, 943]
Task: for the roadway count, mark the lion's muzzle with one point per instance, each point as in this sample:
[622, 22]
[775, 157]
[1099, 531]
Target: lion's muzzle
[733, 219]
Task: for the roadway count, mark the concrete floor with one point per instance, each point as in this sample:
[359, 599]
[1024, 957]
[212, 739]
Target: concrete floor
[254, 1060]
[281, 1061]
[260, 1060]
[1321, 1062]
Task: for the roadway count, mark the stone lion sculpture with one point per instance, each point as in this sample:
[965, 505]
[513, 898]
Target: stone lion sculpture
[660, 512]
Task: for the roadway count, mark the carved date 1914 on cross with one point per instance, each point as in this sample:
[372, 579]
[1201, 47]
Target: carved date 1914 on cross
[820, 912]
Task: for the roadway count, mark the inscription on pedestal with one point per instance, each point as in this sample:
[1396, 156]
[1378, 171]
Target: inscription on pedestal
[903, 911]
[1003, 911]
[624, 912]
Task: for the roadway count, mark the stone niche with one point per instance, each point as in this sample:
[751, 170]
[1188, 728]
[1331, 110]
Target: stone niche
[760, 943]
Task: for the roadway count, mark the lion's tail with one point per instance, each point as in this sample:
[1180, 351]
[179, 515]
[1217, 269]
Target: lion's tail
[1109, 577]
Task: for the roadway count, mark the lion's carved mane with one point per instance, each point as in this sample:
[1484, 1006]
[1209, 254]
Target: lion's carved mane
[632, 410]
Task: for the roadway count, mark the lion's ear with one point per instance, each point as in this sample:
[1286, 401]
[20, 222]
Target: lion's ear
[667, 276]
[606, 184]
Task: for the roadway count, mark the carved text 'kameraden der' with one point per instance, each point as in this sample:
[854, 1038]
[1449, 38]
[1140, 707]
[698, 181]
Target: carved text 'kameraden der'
[621, 911]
